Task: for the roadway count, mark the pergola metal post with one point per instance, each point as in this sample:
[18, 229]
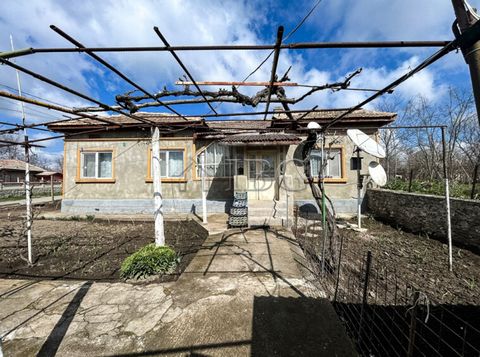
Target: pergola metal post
[447, 199]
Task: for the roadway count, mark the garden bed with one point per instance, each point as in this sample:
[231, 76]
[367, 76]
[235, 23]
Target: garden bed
[416, 259]
[89, 250]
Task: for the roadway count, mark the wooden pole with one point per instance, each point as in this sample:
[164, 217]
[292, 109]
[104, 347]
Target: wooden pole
[234, 83]
[157, 189]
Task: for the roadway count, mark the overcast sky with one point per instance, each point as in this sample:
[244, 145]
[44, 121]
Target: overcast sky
[130, 23]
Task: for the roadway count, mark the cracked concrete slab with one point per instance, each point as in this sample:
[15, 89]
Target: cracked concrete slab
[216, 308]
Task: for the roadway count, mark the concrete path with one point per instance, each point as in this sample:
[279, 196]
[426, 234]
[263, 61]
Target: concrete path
[243, 294]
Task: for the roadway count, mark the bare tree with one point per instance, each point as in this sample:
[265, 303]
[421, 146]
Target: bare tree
[421, 149]
[10, 151]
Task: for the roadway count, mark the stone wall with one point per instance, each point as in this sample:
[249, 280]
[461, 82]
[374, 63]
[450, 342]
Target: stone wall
[36, 191]
[427, 214]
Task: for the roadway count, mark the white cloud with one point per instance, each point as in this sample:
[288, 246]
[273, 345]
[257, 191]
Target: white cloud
[126, 23]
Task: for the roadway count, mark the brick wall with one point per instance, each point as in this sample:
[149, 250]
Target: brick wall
[427, 214]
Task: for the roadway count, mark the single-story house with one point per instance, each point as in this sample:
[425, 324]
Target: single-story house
[14, 171]
[110, 171]
[47, 176]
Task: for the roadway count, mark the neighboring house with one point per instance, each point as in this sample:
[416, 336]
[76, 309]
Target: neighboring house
[110, 171]
[47, 176]
[14, 171]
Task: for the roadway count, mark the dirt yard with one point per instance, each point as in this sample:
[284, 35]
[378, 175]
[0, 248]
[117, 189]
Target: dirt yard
[88, 250]
[418, 260]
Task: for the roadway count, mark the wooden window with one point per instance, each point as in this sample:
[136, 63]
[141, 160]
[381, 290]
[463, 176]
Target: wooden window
[172, 165]
[335, 166]
[95, 165]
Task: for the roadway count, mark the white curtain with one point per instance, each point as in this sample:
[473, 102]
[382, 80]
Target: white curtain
[105, 165]
[175, 163]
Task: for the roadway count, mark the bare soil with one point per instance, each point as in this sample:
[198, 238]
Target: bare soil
[87, 250]
[416, 260]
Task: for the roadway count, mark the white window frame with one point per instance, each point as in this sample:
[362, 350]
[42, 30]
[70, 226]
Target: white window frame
[328, 152]
[230, 161]
[82, 164]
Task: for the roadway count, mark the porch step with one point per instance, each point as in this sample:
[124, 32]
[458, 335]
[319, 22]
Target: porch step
[273, 213]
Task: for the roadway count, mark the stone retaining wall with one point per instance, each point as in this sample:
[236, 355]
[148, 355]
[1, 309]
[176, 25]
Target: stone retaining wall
[427, 214]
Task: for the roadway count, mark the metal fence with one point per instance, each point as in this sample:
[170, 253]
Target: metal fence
[384, 314]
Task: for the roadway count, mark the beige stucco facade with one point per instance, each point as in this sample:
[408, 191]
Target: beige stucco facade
[131, 186]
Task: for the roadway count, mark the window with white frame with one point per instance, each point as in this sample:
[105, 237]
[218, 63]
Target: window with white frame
[97, 164]
[333, 167]
[171, 163]
[220, 161]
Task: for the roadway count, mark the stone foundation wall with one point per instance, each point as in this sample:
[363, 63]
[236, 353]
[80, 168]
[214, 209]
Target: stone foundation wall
[427, 214]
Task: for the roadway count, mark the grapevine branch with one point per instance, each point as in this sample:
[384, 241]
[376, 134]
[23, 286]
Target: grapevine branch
[133, 103]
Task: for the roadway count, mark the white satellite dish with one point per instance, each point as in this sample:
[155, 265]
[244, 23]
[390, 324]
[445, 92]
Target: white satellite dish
[313, 125]
[377, 173]
[366, 143]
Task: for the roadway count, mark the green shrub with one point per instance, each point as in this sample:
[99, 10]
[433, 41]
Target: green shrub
[149, 260]
[460, 190]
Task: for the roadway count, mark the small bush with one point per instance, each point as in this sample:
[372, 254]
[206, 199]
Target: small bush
[149, 260]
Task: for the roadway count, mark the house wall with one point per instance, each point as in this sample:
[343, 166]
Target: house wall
[342, 192]
[132, 190]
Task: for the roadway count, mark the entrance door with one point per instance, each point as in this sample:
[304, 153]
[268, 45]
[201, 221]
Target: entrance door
[261, 174]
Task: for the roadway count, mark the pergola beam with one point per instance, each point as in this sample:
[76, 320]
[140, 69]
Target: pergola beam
[290, 46]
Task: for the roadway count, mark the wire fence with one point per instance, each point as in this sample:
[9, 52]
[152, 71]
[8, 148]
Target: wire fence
[384, 314]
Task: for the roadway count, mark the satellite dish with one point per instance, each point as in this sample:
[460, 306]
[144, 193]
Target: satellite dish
[313, 125]
[377, 173]
[366, 143]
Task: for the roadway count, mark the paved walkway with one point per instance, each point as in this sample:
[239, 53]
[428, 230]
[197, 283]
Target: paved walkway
[243, 294]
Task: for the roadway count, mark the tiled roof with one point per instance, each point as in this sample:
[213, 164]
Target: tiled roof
[160, 118]
[262, 138]
[278, 120]
[18, 165]
[328, 114]
[239, 124]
